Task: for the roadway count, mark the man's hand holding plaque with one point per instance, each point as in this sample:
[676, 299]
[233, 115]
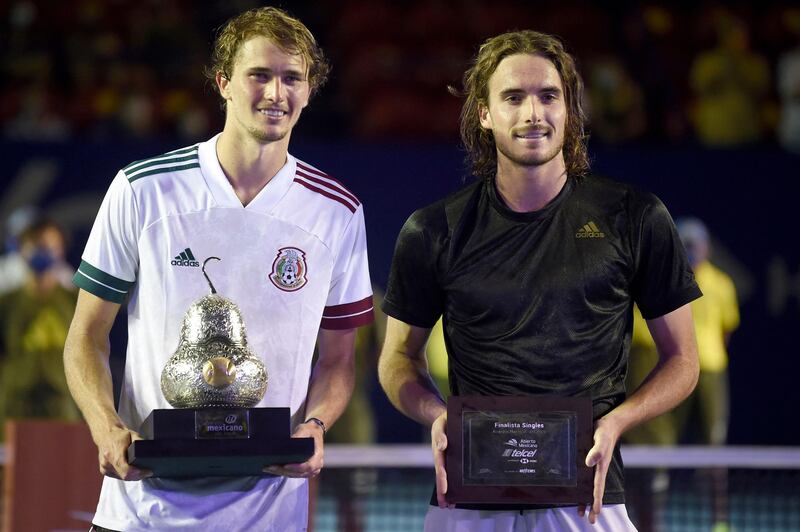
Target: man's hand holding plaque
[312, 466]
[599, 457]
[439, 446]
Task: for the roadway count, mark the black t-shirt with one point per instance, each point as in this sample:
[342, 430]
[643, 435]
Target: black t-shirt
[541, 302]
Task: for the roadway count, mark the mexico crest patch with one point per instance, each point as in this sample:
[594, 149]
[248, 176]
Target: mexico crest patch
[289, 269]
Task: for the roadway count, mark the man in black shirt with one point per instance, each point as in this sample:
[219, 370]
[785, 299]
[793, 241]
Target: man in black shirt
[535, 268]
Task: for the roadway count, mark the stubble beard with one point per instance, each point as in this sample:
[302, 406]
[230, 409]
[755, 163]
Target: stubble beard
[267, 136]
[530, 159]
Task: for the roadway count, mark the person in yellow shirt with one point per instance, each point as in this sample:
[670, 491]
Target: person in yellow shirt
[731, 84]
[436, 353]
[716, 316]
[705, 413]
[34, 320]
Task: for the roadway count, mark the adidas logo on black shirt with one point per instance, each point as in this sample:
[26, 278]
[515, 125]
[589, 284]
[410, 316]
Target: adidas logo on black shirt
[590, 230]
[185, 258]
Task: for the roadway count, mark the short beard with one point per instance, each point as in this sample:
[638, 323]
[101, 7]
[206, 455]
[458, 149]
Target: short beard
[265, 137]
[533, 160]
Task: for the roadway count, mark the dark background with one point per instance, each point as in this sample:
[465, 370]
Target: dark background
[89, 86]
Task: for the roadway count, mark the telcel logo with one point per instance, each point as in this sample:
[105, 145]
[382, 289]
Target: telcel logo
[520, 453]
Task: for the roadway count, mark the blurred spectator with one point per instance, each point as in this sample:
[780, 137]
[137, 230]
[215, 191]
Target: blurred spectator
[34, 320]
[788, 77]
[13, 269]
[716, 316]
[616, 104]
[731, 85]
[34, 116]
[703, 417]
[436, 353]
[654, 50]
[13, 265]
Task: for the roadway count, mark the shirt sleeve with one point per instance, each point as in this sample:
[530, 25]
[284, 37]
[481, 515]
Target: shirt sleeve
[414, 294]
[349, 302]
[111, 258]
[663, 280]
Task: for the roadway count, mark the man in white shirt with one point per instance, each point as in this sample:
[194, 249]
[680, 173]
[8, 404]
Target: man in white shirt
[242, 197]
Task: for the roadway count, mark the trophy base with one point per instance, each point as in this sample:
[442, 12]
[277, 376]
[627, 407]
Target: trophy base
[217, 442]
[174, 458]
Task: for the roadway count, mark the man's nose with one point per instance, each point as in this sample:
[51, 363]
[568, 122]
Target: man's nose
[274, 90]
[534, 110]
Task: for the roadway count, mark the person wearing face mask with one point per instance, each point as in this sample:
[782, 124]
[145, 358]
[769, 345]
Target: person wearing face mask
[13, 266]
[34, 320]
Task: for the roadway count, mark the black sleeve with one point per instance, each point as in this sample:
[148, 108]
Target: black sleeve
[663, 280]
[414, 293]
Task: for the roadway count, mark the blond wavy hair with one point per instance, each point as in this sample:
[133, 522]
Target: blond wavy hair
[288, 33]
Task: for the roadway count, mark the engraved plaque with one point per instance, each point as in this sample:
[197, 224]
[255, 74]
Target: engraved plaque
[212, 423]
[519, 450]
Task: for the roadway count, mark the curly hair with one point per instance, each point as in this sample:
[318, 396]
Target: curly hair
[479, 142]
[288, 33]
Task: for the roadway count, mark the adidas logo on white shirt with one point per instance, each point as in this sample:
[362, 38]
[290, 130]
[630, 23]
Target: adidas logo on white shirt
[185, 258]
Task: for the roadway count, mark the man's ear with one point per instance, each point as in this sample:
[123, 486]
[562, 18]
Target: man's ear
[223, 84]
[484, 116]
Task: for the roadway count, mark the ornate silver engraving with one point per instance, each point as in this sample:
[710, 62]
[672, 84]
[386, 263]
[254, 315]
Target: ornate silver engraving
[213, 366]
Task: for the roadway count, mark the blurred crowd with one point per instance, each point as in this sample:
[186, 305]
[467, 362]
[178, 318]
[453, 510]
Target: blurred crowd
[723, 76]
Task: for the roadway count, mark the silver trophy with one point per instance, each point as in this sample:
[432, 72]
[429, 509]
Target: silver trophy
[213, 380]
[213, 366]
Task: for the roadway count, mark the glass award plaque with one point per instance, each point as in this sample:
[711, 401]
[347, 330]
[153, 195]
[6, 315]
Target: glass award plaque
[519, 450]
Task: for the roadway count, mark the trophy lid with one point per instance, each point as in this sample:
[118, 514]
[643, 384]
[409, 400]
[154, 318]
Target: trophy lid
[213, 317]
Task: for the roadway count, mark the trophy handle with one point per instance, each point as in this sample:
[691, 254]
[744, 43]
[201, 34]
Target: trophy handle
[210, 284]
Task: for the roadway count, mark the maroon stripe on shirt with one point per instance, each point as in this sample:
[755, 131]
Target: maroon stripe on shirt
[303, 166]
[307, 168]
[350, 322]
[340, 190]
[325, 193]
[348, 308]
